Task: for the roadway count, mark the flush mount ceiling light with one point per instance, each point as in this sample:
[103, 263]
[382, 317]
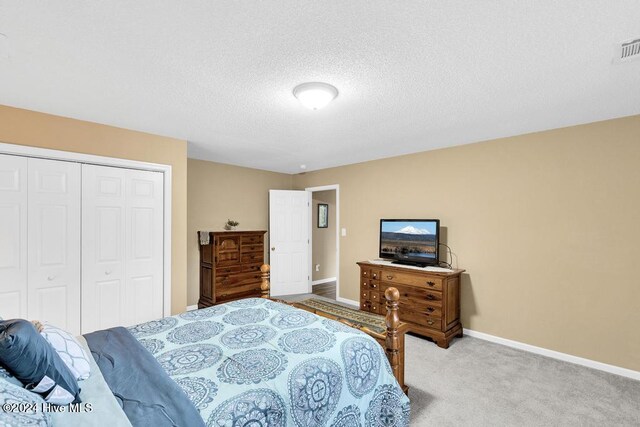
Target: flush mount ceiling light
[315, 95]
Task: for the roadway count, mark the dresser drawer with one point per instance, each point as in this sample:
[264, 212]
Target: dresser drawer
[252, 239]
[252, 248]
[374, 285]
[375, 274]
[376, 308]
[374, 297]
[428, 282]
[364, 295]
[231, 280]
[421, 319]
[365, 273]
[251, 267]
[424, 309]
[418, 296]
[228, 270]
[364, 283]
[252, 258]
[245, 290]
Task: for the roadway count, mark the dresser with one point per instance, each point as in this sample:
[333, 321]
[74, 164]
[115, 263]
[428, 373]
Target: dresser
[230, 266]
[429, 301]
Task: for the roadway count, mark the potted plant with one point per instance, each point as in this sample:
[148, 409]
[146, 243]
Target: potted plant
[231, 224]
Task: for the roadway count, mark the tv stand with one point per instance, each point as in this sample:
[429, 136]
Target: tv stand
[429, 300]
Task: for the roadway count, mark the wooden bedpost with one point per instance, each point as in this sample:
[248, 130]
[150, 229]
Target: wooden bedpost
[393, 321]
[266, 285]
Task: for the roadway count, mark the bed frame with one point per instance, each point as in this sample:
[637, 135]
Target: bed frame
[392, 340]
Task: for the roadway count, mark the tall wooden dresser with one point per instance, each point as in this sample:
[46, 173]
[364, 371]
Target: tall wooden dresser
[230, 266]
[429, 301]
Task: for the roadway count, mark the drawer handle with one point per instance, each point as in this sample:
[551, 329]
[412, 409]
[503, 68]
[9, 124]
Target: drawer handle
[430, 309]
[364, 273]
[430, 322]
[373, 285]
[375, 276]
[430, 297]
[431, 283]
[389, 277]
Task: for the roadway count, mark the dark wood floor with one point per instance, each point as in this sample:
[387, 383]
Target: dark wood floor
[327, 290]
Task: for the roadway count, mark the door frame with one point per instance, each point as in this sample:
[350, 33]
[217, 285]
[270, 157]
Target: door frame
[68, 156]
[335, 187]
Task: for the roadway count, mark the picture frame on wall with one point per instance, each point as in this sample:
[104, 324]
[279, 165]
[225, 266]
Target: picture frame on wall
[323, 215]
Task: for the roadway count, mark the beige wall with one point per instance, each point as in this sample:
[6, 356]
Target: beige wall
[218, 192]
[545, 224]
[25, 127]
[324, 239]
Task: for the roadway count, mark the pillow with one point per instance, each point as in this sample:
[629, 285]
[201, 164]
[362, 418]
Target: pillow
[14, 395]
[6, 375]
[69, 350]
[30, 358]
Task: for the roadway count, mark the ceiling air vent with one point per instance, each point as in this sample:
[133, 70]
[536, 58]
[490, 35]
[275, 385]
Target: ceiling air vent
[628, 50]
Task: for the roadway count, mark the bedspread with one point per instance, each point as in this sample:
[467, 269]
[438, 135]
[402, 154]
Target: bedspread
[261, 363]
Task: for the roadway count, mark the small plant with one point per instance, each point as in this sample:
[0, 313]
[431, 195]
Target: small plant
[231, 224]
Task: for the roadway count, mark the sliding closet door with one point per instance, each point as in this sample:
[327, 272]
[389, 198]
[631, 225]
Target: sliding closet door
[13, 237]
[122, 243]
[54, 243]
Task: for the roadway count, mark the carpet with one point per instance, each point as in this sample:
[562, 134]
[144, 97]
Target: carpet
[478, 383]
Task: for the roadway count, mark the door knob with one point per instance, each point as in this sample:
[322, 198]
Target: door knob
[50, 278]
[108, 272]
[273, 248]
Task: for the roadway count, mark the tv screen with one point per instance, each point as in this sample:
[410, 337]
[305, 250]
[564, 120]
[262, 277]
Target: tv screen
[410, 241]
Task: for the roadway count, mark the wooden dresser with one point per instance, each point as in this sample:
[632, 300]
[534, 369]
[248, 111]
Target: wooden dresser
[230, 266]
[429, 301]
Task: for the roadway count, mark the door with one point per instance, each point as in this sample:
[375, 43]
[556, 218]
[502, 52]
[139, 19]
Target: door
[54, 243]
[289, 241]
[13, 236]
[122, 243]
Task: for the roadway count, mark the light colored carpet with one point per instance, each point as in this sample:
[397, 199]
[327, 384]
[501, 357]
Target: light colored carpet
[478, 383]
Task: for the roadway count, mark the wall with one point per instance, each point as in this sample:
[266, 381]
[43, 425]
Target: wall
[25, 127]
[324, 239]
[545, 224]
[218, 192]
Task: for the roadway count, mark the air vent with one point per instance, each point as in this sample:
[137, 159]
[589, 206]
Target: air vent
[628, 51]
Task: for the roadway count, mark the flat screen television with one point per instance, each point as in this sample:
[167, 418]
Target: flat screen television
[410, 241]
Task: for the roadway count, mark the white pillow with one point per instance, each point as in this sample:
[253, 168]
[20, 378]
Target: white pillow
[69, 350]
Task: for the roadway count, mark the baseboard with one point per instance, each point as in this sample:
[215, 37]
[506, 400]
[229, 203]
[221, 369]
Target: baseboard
[348, 301]
[612, 369]
[321, 281]
[192, 307]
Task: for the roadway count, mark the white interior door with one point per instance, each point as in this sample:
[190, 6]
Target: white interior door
[289, 241]
[54, 243]
[122, 241]
[13, 237]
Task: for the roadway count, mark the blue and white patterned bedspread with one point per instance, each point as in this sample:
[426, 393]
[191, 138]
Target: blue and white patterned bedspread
[255, 362]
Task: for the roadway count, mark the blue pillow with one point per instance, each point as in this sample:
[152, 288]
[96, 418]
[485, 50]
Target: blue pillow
[31, 359]
[25, 408]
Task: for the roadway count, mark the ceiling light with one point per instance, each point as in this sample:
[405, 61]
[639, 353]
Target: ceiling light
[315, 95]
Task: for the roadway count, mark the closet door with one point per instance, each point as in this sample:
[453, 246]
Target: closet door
[122, 241]
[54, 243]
[13, 237]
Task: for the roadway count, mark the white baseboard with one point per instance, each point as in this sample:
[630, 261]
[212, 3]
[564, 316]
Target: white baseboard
[321, 281]
[348, 301]
[612, 369]
[192, 307]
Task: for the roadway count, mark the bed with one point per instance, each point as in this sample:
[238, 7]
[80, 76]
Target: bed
[252, 362]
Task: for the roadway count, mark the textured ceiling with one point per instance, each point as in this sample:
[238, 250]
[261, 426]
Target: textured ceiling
[412, 75]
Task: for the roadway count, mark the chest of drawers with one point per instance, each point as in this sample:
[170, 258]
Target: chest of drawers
[429, 301]
[230, 266]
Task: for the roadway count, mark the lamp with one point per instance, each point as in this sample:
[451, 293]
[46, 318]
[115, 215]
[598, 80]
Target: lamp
[315, 95]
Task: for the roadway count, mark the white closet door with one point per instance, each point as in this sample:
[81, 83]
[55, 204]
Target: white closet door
[13, 237]
[54, 243]
[122, 242]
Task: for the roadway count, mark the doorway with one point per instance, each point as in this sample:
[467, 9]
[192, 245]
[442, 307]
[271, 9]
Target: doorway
[325, 241]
